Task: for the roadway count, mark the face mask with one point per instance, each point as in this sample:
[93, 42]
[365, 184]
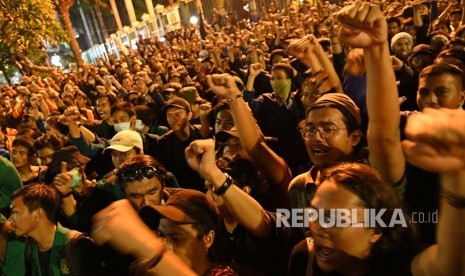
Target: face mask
[281, 88]
[139, 125]
[122, 126]
[76, 177]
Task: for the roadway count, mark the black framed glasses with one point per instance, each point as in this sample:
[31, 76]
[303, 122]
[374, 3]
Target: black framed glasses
[129, 175]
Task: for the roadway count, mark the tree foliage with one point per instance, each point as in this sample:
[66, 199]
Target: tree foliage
[24, 25]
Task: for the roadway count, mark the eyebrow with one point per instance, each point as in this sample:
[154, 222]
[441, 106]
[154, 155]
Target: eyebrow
[322, 123]
[175, 112]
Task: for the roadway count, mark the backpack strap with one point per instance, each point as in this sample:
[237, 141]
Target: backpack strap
[70, 252]
[28, 256]
[311, 255]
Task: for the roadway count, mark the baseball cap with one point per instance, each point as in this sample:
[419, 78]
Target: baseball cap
[186, 207]
[179, 103]
[125, 140]
[339, 101]
[223, 135]
[190, 94]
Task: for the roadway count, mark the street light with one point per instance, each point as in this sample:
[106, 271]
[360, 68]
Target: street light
[194, 20]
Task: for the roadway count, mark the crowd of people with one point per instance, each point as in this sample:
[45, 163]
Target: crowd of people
[174, 159]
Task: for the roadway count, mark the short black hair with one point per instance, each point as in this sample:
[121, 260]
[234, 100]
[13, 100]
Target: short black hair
[437, 69]
[39, 196]
[48, 141]
[286, 68]
[112, 99]
[26, 143]
[125, 107]
[395, 19]
[278, 52]
[139, 162]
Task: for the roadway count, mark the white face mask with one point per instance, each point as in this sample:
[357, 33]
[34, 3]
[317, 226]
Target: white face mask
[139, 125]
[122, 126]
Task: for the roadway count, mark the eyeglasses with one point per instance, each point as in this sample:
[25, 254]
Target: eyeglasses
[312, 95]
[129, 175]
[326, 132]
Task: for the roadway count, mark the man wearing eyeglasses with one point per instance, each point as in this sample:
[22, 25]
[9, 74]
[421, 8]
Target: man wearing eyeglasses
[332, 134]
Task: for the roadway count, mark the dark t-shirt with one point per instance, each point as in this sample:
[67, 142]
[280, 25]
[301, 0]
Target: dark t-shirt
[103, 129]
[171, 155]
[421, 194]
[268, 256]
[44, 261]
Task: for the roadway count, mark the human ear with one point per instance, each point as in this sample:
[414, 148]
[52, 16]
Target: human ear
[356, 137]
[209, 238]
[37, 213]
[375, 236]
[462, 98]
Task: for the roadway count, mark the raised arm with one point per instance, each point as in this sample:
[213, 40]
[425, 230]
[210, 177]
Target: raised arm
[309, 51]
[417, 20]
[250, 136]
[120, 226]
[364, 26]
[435, 143]
[247, 211]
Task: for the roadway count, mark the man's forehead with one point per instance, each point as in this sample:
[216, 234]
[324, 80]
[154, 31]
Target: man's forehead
[175, 110]
[144, 186]
[324, 114]
[435, 79]
[17, 202]
[168, 226]
[102, 100]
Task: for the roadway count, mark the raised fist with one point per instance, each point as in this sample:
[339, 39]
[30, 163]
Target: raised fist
[363, 25]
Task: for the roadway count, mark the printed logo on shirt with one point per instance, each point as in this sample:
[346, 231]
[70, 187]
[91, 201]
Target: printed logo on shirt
[64, 268]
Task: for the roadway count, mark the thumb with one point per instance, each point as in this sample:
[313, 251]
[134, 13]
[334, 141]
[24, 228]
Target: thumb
[132, 123]
[64, 167]
[209, 81]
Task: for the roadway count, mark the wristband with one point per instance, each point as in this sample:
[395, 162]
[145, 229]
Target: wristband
[233, 98]
[319, 72]
[453, 199]
[225, 186]
[67, 195]
[142, 267]
[321, 82]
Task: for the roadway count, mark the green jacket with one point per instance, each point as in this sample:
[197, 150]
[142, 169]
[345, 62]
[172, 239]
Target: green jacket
[10, 181]
[14, 264]
[57, 262]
